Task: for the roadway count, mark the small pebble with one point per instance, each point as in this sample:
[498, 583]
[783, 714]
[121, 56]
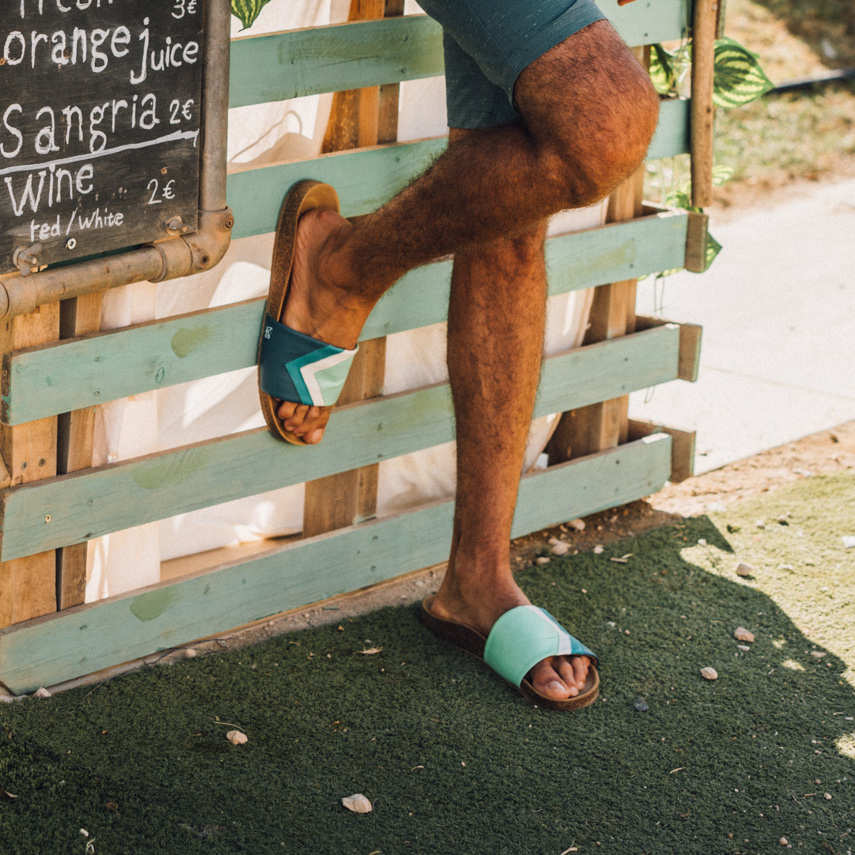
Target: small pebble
[598, 550]
[541, 560]
[357, 803]
[784, 842]
[817, 654]
[849, 540]
[743, 647]
[641, 705]
[827, 796]
[41, 693]
[743, 569]
[709, 673]
[742, 634]
[760, 524]
[577, 524]
[236, 737]
[560, 548]
[702, 541]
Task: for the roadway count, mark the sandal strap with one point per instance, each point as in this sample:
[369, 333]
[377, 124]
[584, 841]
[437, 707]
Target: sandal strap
[298, 368]
[524, 636]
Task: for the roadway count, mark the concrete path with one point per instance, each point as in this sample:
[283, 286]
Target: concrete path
[778, 311]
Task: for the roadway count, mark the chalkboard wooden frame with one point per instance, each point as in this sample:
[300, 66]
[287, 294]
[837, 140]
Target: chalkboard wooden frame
[181, 251]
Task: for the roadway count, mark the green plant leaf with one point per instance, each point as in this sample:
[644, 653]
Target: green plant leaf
[721, 174]
[246, 11]
[679, 198]
[711, 250]
[738, 77]
[661, 69]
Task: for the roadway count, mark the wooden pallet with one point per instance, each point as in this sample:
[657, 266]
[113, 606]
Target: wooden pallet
[45, 377]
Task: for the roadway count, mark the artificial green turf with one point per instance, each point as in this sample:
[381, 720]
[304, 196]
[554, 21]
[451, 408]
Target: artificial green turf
[457, 762]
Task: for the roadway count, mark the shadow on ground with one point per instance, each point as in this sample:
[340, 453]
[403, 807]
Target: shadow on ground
[453, 760]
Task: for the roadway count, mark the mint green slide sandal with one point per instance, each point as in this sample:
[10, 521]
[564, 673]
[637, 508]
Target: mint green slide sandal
[519, 639]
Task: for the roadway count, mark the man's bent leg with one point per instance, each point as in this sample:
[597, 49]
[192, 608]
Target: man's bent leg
[589, 112]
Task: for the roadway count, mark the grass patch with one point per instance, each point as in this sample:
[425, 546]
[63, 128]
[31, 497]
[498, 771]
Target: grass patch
[453, 759]
[772, 142]
[781, 138]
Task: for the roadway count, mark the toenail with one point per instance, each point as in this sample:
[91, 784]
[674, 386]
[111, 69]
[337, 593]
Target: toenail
[555, 686]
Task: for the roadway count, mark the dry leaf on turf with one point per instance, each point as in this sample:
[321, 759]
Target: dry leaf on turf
[370, 651]
[357, 803]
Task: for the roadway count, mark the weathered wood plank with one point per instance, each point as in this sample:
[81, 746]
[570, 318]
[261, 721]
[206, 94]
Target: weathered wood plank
[367, 178]
[88, 638]
[690, 345]
[604, 424]
[79, 316]
[682, 446]
[28, 585]
[349, 497]
[101, 368]
[84, 505]
[350, 56]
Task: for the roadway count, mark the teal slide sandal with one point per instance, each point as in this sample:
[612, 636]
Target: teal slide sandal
[519, 639]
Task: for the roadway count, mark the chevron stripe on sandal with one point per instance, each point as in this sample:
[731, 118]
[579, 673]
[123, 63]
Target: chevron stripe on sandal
[293, 366]
[518, 640]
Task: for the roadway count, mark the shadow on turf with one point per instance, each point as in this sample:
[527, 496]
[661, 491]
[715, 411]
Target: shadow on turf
[454, 760]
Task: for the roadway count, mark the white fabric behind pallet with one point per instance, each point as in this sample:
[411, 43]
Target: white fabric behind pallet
[215, 406]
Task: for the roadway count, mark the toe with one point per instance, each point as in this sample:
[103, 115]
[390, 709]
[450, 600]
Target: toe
[580, 666]
[286, 409]
[315, 424]
[547, 680]
[296, 422]
[565, 668]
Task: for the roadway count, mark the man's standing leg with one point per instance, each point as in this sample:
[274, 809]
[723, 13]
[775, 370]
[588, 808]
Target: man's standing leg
[589, 112]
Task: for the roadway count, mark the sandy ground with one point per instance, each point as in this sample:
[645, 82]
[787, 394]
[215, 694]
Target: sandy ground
[776, 309]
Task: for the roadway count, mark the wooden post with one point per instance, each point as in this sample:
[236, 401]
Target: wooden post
[604, 425]
[29, 452]
[76, 430]
[703, 110]
[705, 26]
[359, 117]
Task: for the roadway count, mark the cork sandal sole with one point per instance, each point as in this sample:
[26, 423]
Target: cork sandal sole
[303, 197]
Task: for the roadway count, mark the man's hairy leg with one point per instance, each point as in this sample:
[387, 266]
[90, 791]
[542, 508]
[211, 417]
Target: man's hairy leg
[495, 344]
[588, 114]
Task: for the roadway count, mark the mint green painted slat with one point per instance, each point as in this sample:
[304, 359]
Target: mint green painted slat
[347, 56]
[97, 501]
[88, 638]
[672, 132]
[364, 179]
[367, 178]
[93, 370]
[327, 59]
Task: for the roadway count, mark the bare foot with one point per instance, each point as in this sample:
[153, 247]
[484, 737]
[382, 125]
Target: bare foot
[557, 678]
[319, 305]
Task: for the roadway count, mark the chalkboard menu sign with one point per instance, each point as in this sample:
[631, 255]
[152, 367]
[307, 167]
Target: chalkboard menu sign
[100, 116]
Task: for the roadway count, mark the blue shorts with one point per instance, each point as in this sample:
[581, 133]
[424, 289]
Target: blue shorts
[489, 42]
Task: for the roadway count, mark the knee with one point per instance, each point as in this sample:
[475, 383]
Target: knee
[608, 143]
